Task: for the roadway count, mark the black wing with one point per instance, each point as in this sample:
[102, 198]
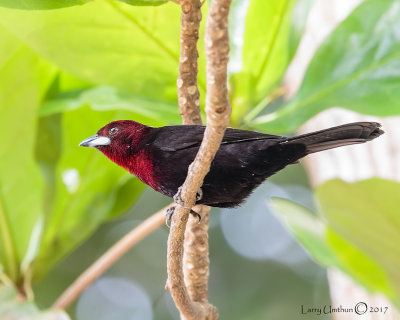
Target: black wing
[174, 138]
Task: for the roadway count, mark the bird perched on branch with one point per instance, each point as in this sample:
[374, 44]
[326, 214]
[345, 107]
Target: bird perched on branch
[160, 157]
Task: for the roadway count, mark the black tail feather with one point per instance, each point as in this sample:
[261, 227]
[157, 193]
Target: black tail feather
[347, 134]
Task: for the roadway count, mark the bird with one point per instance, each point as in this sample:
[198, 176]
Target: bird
[160, 156]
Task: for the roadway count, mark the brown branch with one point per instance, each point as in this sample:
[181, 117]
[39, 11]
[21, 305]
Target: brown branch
[109, 258]
[188, 92]
[195, 256]
[218, 113]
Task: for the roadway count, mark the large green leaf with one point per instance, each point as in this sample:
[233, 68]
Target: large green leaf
[366, 214]
[23, 79]
[357, 67]
[345, 240]
[86, 188]
[331, 249]
[266, 41]
[40, 4]
[308, 229]
[298, 23]
[143, 109]
[104, 42]
[144, 2]
[265, 53]
[135, 49]
[363, 268]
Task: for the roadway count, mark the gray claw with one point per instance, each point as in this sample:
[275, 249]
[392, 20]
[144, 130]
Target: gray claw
[195, 214]
[168, 215]
[178, 199]
[199, 194]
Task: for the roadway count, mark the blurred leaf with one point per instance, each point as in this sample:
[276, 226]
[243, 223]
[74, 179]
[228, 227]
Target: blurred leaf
[40, 4]
[265, 53]
[127, 192]
[298, 23]
[332, 249]
[88, 188]
[68, 82]
[23, 79]
[308, 229]
[47, 153]
[144, 2]
[357, 67]
[359, 265]
[108, 99]
[13, 307]
[135, 49]
[365, 214]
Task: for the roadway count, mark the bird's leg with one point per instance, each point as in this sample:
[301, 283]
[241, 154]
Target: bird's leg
[195, 214]
[199, 194]
[178, 200]
[168, 215]
[171, 210]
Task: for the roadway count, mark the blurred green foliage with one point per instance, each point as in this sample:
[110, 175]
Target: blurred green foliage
[66, 72]
[357, 67]
[357, 236]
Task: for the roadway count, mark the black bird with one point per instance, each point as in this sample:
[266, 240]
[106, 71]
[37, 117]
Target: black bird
[160, 157]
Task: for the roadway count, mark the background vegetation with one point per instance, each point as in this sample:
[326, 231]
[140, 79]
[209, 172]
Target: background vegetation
[66, 71]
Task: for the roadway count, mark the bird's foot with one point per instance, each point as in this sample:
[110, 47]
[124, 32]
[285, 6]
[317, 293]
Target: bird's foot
[199, 194]
[195, 214]
[168, 215]
[178, 200]
[171, 210]
[177, 197]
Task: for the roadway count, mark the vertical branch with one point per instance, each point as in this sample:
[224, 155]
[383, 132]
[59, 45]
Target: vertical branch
[192, 301]
[188, 92]
[195, 254]
[195, 257]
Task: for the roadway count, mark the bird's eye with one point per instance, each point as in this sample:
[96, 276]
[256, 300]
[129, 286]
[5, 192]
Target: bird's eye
[113, 130]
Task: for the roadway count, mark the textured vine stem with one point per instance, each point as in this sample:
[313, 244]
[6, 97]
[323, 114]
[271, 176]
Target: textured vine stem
[218, 111]
[188, 92]
[196, 254]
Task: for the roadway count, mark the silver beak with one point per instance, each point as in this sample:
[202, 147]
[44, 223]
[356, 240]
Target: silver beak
[95, 141]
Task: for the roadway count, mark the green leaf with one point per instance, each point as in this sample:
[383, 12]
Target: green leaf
[309, 229]
[86, 189]
[143, 109]
[357, 67]
[21, 185]
[331, 249]
[13, 307]
[144, 2]
[265, 53]
[40, 4]
[298, 23]
[365, 214]
[359, 265]
[135, 49]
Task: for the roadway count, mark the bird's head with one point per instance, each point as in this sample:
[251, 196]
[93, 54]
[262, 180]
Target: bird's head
[116, 139]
